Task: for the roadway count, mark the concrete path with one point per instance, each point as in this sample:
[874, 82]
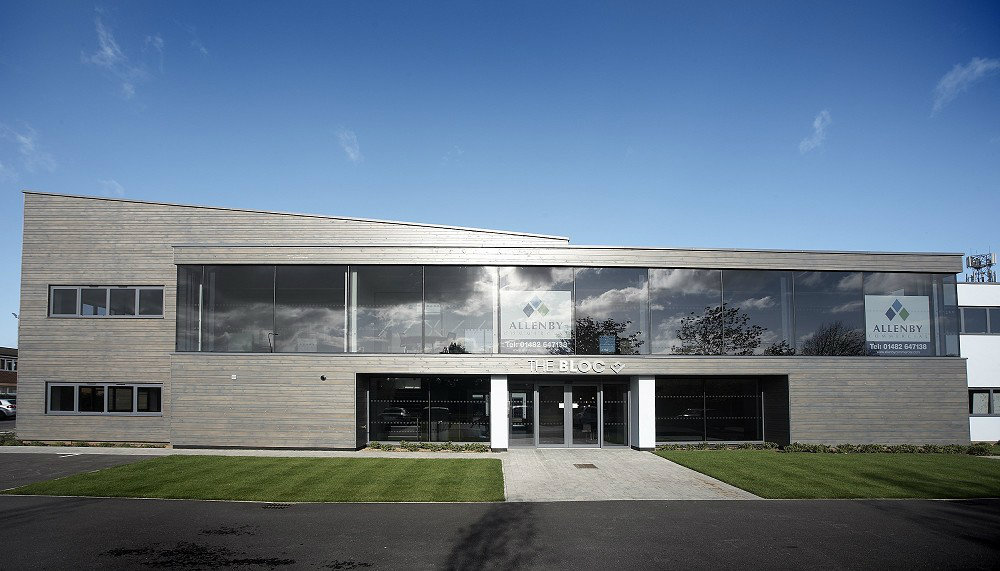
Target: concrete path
[553, 475]
[530, 474]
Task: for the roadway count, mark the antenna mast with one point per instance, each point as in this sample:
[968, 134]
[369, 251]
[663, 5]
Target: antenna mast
[982, 268]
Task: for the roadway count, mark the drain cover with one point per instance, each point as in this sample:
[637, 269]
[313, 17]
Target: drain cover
[275, 506]
[586, 466]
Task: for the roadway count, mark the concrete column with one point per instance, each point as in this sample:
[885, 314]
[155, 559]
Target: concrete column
[642, 415]
[498, 412]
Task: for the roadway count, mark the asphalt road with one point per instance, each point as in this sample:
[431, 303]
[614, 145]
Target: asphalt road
[45, 532]
[20, 469]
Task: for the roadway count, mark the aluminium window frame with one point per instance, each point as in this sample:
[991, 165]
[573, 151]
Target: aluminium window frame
[107, 301]
[990, 393]
[991, 328]
[106, 385]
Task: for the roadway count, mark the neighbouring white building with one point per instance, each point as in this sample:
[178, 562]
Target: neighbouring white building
[980, 344]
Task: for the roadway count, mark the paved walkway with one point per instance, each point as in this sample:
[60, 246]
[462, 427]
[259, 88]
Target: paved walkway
[552, 475]
[530, 474]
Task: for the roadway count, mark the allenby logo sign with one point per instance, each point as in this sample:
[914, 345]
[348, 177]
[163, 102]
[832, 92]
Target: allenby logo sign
[536, 321]
[898, 324]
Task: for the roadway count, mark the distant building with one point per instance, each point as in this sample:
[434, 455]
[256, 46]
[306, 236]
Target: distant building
[980, 343]
[8, 372]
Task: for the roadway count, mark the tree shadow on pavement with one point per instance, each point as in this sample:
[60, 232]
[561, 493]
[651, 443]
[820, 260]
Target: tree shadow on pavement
[502, 538]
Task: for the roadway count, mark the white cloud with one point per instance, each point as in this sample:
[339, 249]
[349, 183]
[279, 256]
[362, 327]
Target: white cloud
[453, 155]
[961, 78]
[33, 158]
[758, 303]
[820, 125]
[110, 57]
[195, 41]
[349, 142]
[156, 43]
[111, 187]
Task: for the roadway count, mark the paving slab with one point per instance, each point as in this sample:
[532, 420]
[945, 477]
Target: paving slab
[583, 474]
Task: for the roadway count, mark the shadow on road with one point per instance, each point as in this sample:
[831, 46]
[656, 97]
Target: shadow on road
[502, 538]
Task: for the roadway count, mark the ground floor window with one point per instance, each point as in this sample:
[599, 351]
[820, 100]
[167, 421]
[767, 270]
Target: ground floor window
[984, 402]
[696, 409]
[98, 398]
[429, 409]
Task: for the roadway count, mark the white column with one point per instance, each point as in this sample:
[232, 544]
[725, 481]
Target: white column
[498, 412]
[642, 416]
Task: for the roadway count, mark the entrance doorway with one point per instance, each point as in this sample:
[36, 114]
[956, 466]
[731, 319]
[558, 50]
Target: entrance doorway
[569, 413]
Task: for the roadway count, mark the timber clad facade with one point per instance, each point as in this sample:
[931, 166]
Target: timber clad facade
[216, 381]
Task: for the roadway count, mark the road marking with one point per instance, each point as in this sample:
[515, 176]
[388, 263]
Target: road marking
[68, 455]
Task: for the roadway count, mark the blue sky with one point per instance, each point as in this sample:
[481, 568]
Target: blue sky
[836, 125]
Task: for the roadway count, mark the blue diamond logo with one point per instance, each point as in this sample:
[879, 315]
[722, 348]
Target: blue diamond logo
[890, 313]
[897, 306]
[528, 310]
[535, 302]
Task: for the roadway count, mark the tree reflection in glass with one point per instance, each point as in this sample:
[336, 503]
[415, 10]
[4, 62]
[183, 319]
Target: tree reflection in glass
[611, 311]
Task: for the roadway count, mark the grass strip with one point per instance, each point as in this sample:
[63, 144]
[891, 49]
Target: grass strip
[288, 480]
[771, 474]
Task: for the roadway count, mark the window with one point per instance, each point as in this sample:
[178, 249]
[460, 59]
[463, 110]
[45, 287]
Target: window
[64, 301]
[984, 402]
[106, 301]
[386, 308]
[756, 316]
[710, 408]
[104, 399]
[684, 308]
[122, 301]
[309, 312]
[536, 310]
[8, 364]
[151, 302]
[94, 301]
[459, 309]
[980, 320]
[429, 409]
[238, 311]
[611, 311]
[829, 313]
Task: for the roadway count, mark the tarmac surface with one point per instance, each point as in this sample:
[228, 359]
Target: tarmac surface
[88, 533]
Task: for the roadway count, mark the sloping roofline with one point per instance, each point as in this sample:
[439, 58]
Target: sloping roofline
[350, 218]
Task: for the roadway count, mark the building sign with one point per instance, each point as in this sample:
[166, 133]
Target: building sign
[898, 325]
[606, 344]
[536, 321]
[574, 366]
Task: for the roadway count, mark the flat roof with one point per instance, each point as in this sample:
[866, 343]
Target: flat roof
[324, 216]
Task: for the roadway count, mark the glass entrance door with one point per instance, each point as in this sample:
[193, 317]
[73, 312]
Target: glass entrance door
[551, 415]
[584, 415]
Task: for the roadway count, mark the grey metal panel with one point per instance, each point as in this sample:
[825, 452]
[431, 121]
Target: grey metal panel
[567, 256]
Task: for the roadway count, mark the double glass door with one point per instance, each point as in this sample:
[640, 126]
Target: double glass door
[568, 414]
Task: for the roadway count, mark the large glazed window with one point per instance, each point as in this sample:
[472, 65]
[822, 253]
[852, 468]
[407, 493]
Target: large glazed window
[611, 311]
[189, 302]
[430, 409]
[237, 313]
[536, 310]
[829, 313]
[684, 307]
[756, 316]
[309, 314]
[459, 309]
[708, 409]
[386, 309]
[910, 314]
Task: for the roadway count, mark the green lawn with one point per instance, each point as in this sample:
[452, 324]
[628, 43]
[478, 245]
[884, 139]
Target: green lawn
[289, 480]
[771, 474]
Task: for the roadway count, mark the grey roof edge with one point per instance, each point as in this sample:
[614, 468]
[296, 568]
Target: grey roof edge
[303, 215]
[575, 247]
